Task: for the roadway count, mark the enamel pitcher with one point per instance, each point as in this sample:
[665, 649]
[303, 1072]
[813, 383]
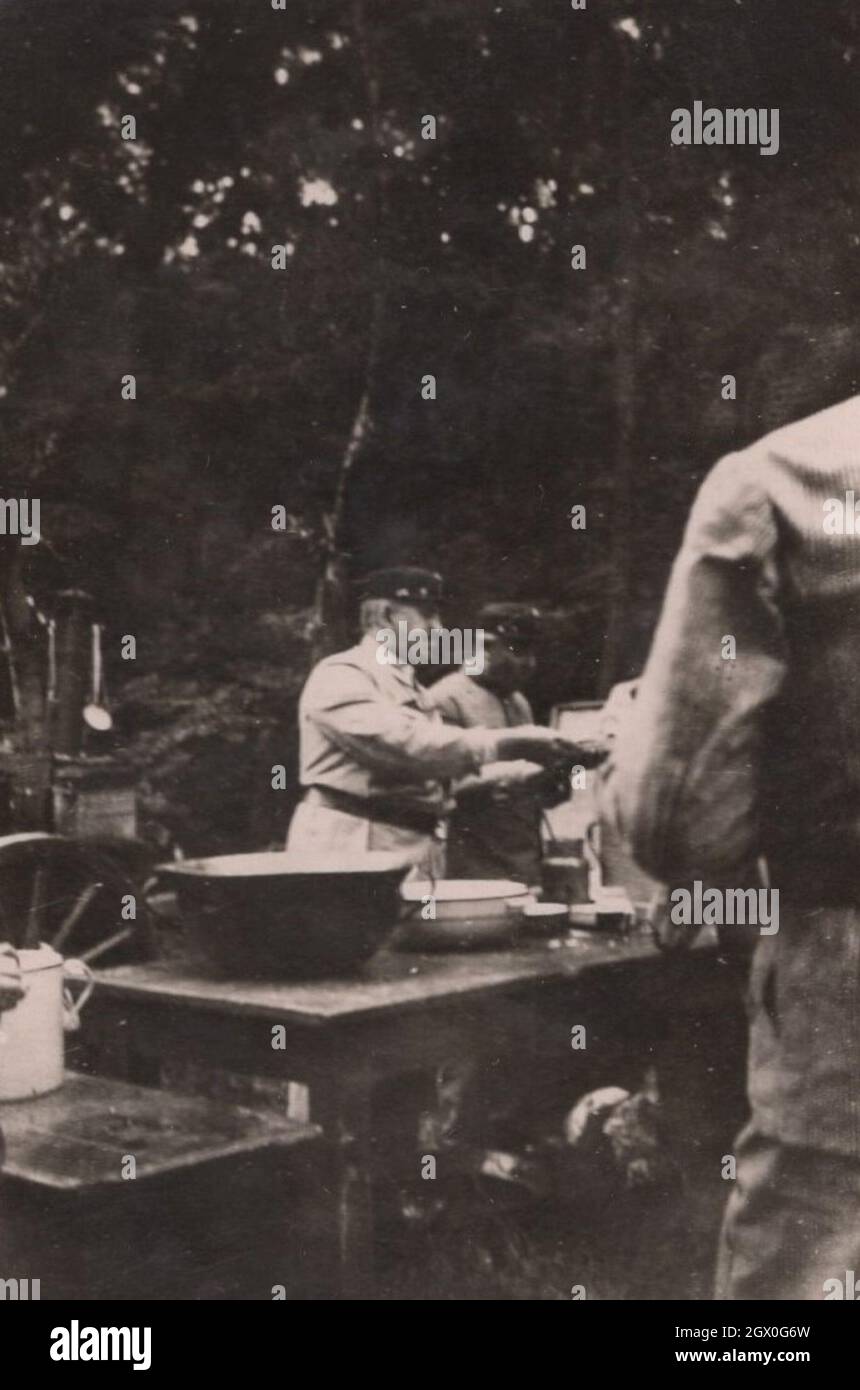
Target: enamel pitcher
[32, 1033]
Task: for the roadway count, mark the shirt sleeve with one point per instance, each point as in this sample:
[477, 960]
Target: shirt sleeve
[448, 706]
[522, 708]
[386, 736]
[682, 779]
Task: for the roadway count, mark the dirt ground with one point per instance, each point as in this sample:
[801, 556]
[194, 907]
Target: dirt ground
[646, 1245]
[493, 1241]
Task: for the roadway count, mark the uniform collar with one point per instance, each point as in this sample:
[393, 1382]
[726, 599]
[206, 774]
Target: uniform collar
[369, 648]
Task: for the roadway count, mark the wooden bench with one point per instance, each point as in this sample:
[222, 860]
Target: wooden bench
[206, 1175]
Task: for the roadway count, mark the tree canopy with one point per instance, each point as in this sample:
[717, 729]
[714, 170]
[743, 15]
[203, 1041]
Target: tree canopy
[399, 256]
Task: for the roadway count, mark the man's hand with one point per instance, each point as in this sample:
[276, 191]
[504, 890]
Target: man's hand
[545, 746]
[506, 775]
[591, 752]
[11, 988]
[498, 780]
[495, 782]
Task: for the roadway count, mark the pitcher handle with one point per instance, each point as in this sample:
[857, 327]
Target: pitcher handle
[79, 973]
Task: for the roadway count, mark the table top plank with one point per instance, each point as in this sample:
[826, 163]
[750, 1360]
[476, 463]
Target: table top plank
[76, 1137]
[392, 982]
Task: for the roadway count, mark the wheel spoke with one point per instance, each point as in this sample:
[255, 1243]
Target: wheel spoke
[60, 890]
[109, 942]
[33, 929]
[7, 929]
[69, 922]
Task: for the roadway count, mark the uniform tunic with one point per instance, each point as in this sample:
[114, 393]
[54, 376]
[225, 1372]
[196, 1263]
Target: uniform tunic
[369, 731]
[489, 838]
[724, 758]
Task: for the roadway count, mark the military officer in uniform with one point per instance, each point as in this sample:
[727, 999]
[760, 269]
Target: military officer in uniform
[375, 756]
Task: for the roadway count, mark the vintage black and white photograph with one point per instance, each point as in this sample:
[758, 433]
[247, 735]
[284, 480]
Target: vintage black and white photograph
[430, 659]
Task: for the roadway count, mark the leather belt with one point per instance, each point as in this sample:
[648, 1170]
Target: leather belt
[385, 809]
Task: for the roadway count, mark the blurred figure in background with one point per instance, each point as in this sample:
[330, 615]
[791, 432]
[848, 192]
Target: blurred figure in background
[494, 831]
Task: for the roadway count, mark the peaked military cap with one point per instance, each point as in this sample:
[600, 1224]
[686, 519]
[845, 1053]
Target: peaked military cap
[408, 583]
[512, 622]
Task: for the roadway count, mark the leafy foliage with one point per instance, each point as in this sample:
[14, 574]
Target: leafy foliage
[302, 128]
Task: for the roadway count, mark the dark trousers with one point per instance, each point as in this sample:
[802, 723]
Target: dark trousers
[792, 1223]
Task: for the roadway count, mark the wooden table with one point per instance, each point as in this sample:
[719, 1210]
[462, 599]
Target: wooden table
[76, 1138]
[73, 1218]
[405, 1013]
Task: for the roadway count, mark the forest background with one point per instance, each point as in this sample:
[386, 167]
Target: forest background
[300, 387]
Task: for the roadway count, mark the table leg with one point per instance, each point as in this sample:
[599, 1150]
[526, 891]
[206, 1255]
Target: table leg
[109, 1047]
[341, 1104]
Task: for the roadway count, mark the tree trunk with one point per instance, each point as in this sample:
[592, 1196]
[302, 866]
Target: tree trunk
[24, 652]
[329, 623]
[327, 628]
[25, 802]
[625, 391]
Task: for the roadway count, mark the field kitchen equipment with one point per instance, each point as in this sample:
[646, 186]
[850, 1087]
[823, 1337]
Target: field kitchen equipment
[93, 791]
[58, 768]
[94, 796]
[611, 911]
[71, 867]
[281, 916]
[546, 919]
[96, 713]
[576, 823]
[565, 878]
[32, 1033]
[469, 913]
[75, 895]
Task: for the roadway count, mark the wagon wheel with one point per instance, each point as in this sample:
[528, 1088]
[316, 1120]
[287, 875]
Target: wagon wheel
[68, 893]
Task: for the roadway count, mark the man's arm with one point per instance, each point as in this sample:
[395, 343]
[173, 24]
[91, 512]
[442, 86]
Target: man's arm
[494, 777]
[683, 776]
[444, 701]
[345, 704]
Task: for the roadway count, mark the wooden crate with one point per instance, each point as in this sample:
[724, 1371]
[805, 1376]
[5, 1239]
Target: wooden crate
[97, 799]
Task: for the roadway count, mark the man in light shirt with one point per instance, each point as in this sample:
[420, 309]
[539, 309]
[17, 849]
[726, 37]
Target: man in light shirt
[375, 756]
[741, 748]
